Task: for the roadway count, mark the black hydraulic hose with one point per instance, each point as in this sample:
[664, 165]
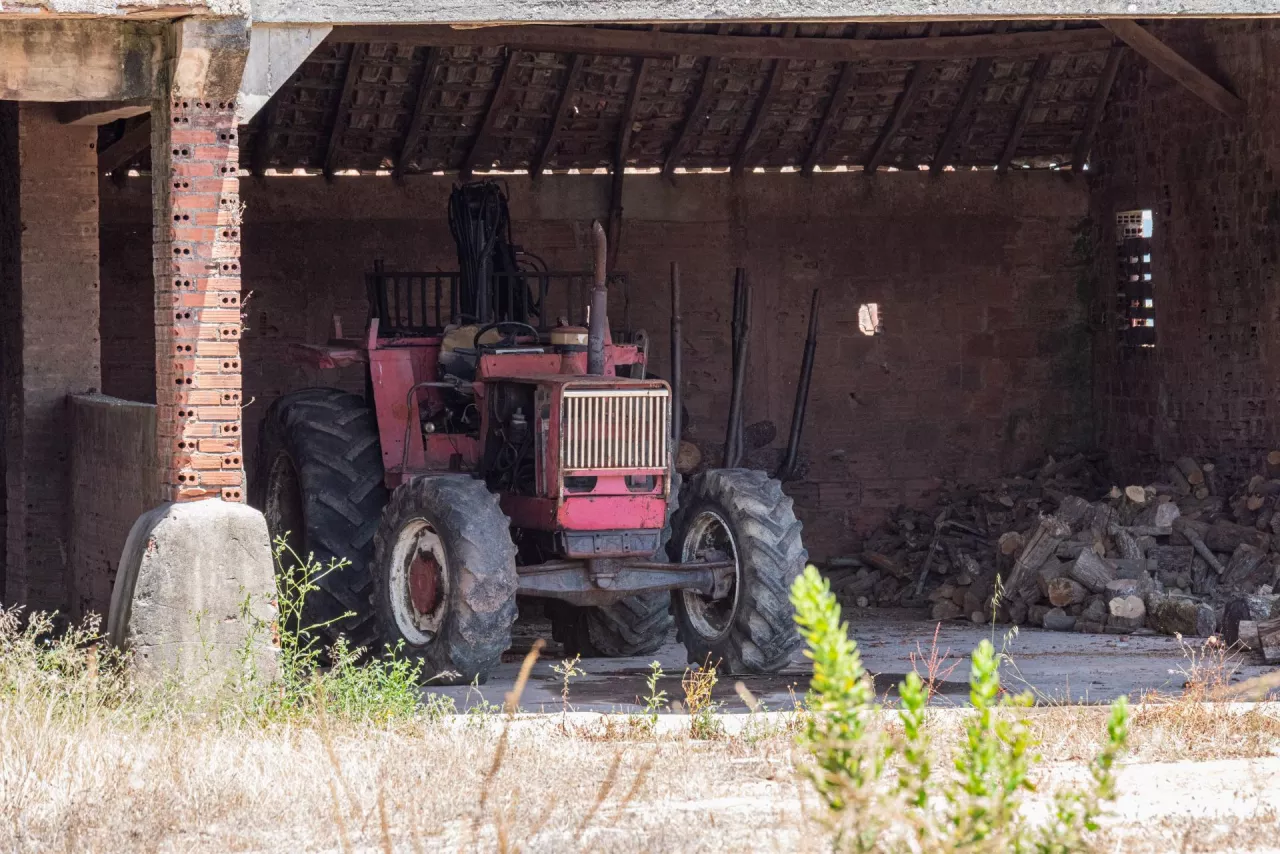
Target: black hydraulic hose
[787, 470]
[733, 440]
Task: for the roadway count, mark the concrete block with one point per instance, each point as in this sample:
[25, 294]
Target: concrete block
[194, 593]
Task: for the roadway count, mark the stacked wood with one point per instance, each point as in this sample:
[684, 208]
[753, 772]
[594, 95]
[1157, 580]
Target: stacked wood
[1063, 547]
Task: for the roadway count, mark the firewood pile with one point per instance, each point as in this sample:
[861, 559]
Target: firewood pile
[1062, 548]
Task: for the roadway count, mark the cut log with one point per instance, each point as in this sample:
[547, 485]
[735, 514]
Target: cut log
[1269, 639]
[1247, 636]
[1190, 470]
[1043, 543]
[1058, 620]
[1273, 464]
[1243, 567]
[945, 610]
[1171, 558]
[1125, 543]
[1073, 511]
[885, 564]
[1048, 571]
[1224, 536]
[1064, 592]
[1011, 543]
[1177, 615]
[1127, 613]
[1210, 477]
[1035, 614]
[1166, 513]
[1179, 481]
[1201, 547]
[1091, 571]
[1126, 568]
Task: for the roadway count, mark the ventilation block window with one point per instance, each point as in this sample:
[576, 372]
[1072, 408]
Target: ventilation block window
[1134, 293]
[869, 318]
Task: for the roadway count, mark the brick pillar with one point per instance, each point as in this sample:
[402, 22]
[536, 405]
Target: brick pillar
[196, 209]
[49, 342]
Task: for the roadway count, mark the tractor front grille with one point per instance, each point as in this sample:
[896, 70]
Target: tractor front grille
[615, 428]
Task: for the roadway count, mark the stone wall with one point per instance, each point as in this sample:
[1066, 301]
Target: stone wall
[1210, 384]
[113, 482]
[980, 368]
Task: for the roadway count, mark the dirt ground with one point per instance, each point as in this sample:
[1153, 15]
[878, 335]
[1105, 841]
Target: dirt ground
[1056, 666]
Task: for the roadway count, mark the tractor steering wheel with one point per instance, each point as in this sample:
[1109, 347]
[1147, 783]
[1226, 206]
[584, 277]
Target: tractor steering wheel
[477, 346]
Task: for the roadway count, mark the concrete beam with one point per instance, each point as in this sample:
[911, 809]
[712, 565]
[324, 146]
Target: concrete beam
[589, 11]
[274, 54]
[134, 9]
[62, 60]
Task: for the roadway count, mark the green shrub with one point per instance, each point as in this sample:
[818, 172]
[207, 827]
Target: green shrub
[975, 807]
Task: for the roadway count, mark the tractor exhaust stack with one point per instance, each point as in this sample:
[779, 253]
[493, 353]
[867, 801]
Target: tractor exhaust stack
[599, 323]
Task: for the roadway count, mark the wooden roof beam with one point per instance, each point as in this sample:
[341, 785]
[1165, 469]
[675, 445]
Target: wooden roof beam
[135, 140]
[701, 96]
[902, 110]
[1172, 63]
[627, 120]
[1085, 141]
[656, 43]
[418, 122]
[490, 118]
[551, 141]
[839, 98]
[978, 79]
[1038, 72]
[770, 91]
[343, 110]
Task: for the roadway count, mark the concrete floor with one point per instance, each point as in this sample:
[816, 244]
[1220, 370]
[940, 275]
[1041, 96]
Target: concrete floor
[1055, 666]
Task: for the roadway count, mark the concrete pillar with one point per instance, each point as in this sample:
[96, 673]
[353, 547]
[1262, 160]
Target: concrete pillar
[49, 342]
[196, 209]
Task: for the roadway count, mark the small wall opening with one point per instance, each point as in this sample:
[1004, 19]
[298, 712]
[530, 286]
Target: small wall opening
[1135, 287]
[869, 318]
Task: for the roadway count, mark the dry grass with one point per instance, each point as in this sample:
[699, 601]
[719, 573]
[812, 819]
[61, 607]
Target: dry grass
[88, 765]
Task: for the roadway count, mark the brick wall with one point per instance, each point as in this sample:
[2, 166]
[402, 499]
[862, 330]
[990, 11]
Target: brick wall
[982, 365]
[49, 326]
[1209, 386]
[113, 482]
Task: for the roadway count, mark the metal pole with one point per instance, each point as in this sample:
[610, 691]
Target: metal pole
[787, 469]
[733, 449]
[599, 304]
[677, 363]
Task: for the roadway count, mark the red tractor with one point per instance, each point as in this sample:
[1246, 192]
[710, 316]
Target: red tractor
[499, 452]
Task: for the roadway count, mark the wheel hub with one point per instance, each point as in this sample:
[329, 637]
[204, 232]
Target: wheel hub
[419, 582]
[709, 538]
[424, 582]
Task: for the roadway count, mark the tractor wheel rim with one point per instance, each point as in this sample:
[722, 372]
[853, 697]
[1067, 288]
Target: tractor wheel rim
[419, 582]
[709, 537]
[283, 504]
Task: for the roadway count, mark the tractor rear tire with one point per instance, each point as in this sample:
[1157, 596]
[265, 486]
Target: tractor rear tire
[637, 625]
[445, 577]
[320, 480]
[743, 514]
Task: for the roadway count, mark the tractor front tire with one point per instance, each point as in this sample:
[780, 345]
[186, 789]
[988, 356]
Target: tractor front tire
[319, 480]
[743, 515]
[637, 625]
[445, 577]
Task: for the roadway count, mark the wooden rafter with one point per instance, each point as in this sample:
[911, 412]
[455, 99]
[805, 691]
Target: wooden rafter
[418, 121]
[839, 97]
[905, 105]
[627, 120]
[701, 96]
[547, 148]
[490, 117]
[1176, 66]
[343, 110]
[762, 105]
[1038, 72]
[978, 78]
[135, 140]
[1085, 141]
[656, 43]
